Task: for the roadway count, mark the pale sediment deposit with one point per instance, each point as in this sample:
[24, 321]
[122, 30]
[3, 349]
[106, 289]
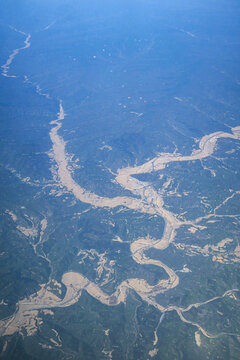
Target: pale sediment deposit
[148, 201]
[198, 338]
[9, 61]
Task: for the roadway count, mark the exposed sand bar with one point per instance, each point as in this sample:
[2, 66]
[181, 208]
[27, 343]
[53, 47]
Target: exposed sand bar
[138, 248]
[6, 66]
[149, 201]
[27, 309]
